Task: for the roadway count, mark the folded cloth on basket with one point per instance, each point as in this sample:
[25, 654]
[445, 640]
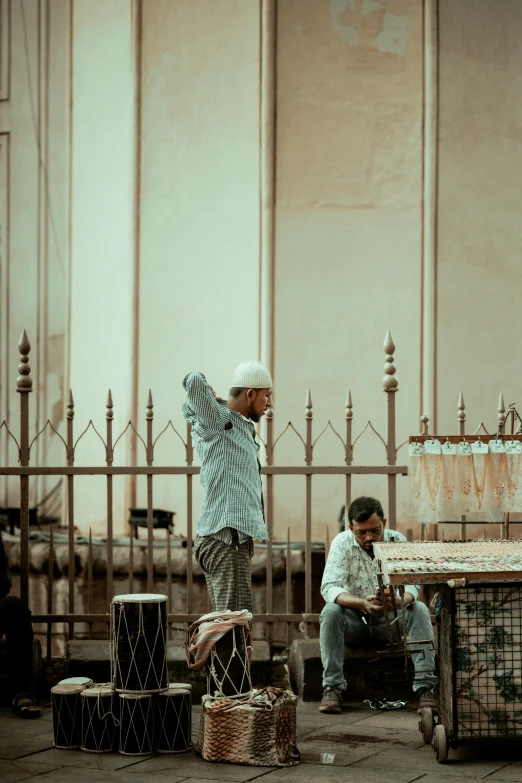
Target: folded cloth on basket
[205, 632]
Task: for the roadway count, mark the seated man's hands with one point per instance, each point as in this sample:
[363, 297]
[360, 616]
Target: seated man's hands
[378, 603]
[373, 606]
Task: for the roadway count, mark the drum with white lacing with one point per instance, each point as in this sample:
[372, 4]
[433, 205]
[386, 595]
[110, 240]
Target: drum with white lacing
[98, 720]
[137, 724]
[174, 719]
[67, 723]
[139, 643]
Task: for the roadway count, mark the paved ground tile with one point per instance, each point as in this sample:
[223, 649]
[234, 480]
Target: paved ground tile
[13, 771]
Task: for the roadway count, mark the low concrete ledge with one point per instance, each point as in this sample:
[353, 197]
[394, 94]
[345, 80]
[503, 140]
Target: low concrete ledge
[91, 659]
[366, 677]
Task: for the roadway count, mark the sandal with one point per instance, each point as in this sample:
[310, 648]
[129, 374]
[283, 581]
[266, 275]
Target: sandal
[25, 707]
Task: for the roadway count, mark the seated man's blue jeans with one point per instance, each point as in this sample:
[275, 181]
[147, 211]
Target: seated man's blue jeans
[341, 626]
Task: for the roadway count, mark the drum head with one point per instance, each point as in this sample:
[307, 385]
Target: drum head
[68, 689]
[98, 690]
[140, 598]
[186, 686]
[174, 689]
[135, 696]
[76, 681]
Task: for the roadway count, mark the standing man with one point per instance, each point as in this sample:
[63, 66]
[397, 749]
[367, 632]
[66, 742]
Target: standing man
[354, 613]
[232, 513]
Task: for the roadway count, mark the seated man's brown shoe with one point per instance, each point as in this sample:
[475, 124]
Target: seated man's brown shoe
[427, 699]
[332, 700]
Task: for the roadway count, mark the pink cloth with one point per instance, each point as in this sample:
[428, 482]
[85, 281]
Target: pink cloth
[205, 632]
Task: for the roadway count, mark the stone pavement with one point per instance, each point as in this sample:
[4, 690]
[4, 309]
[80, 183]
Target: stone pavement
[371, 747]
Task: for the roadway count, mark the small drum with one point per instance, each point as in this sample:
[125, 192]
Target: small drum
[137, 724]
[139, 643]
[228, 665]
[98, 727]
[174, 719]
[85, 681]
[67, 715]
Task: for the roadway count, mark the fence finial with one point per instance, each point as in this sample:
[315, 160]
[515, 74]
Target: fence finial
[150, 413]
[70, 405]
[109, 415]
[425, 422]
[390, 381]
[24, 382]
[501, 409]
[461, 408]
[349, 406]
[309, 414]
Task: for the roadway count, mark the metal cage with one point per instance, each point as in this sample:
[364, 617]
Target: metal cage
[480, 661]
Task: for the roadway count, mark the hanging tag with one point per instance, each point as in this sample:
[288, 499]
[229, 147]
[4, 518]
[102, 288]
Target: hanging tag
[432, 446]
[479, 447]
[448, 449]
[496, 447]
[513, 447]
[416, 449]
[464, 449]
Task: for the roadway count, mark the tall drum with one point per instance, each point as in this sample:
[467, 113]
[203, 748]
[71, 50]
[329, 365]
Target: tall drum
[174, 719]
[98, 728]
[139, 643]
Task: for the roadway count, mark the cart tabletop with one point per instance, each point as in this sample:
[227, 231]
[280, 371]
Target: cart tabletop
[434, 561]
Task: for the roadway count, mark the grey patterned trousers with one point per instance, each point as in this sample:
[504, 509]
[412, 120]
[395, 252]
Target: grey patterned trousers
[227, 571]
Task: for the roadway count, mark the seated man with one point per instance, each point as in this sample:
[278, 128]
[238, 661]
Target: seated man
[15, 623]
[354, 613]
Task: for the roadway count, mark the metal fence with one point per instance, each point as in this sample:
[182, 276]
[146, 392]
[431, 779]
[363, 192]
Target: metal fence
[308, 469]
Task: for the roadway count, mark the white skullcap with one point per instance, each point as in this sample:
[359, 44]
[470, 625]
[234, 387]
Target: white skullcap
[251, 375]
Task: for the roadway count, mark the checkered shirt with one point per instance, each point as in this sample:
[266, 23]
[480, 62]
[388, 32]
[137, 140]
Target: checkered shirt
[230, 470]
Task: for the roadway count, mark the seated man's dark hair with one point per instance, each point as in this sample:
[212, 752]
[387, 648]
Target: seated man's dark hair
[363, 508]
[235, 391]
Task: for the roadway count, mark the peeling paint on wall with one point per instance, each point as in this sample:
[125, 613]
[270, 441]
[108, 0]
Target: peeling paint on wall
[393, 38]
[346, 33]
[369, 6]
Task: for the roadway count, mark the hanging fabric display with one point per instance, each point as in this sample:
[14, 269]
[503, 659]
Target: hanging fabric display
[450, 478]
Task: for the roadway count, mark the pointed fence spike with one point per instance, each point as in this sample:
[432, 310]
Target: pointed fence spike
[390, 382]
[309, 405]
[501, 408]
[389, 344]
[349, 406]
[70, 405]
[24, 382]
[149, 399]
[23, 344]
[109, 399]
[461, 408]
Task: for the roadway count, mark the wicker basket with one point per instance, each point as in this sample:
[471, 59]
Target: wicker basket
[257, 729]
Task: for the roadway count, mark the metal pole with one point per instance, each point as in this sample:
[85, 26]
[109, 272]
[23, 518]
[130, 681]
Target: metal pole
[24, 385]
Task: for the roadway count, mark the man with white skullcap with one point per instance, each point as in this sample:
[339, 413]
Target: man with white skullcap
[232, 513]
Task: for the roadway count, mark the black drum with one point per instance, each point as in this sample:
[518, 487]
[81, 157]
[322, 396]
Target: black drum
[137, 724]
[139, 643]
[174, 719]
[98, 728]
[228, 665]
[67, 720]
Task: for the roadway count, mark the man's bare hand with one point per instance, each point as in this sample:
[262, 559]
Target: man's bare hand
[215, 395]
[373, 606]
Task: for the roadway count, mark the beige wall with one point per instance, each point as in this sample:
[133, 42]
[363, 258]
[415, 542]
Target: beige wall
[163, 199]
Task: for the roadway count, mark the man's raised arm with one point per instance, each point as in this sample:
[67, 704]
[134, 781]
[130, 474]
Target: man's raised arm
[201, 402]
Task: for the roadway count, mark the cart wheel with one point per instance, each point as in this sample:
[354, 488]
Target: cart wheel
[426, 725]
[440, 743]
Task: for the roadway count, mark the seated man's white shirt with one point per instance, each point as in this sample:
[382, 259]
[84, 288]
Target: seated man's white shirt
[349, 569]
